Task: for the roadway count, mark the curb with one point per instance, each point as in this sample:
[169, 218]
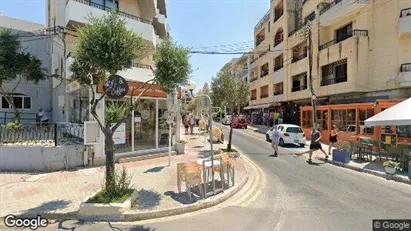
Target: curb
[154, 214]
[375, 173]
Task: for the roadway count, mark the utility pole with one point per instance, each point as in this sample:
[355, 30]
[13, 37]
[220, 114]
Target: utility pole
[306, 33]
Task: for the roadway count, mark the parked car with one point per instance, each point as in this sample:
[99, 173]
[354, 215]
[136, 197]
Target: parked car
[289, 134]
[226, 120]
[240, 122]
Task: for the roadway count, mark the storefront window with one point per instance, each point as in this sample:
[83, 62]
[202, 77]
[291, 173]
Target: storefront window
[122, 136]
[307, 119]
[364, 115]
[322, 119]
[404, 131]
[78, 110]
[163, 127]
[145, 125]
[339, 118]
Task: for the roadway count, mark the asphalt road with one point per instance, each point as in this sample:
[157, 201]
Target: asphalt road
[296, 196]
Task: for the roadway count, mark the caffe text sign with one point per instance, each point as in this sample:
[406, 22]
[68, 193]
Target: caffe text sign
[118, 87]
[141, 89]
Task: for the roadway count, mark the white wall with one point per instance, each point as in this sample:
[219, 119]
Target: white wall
[40, 158]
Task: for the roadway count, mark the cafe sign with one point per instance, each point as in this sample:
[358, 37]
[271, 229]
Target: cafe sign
[139, 89]
[119, 87]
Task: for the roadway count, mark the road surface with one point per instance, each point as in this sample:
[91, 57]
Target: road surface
[295, 196]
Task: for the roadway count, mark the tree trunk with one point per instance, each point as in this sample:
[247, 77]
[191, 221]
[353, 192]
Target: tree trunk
[231, 132]
[10, 100]
[110, 179]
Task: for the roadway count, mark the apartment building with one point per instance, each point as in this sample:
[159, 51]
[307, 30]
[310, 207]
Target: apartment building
[145, 130]
[28, 97]
[238, 67]
[361, 51]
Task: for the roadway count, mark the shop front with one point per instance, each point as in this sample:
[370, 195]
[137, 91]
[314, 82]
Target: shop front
[146, 131]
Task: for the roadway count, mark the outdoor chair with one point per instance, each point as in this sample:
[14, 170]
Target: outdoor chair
[227, 167]
[355, 149]
[366, 149]
[191, 174]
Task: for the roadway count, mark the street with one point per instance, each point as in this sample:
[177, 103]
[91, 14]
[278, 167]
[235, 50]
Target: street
[295, 196]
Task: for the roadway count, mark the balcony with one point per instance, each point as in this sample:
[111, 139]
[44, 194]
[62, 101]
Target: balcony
[353, 33]
[279, 49]
[76, 12]
[404, 25]
[263, 96]
[262, 20]
[278, 92]
[253, 97]
[264, 74]
[278, 74]
[340, 9]
[279, 96]
[340, 79]
[299, 88]
[299, 57]
[404, 77]
[160, 24]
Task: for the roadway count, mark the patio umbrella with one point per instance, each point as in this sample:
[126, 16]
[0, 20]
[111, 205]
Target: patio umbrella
[399, 114]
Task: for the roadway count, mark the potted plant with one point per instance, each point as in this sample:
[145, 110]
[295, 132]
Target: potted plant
[180, 146]
[391, 167]
[341, 153]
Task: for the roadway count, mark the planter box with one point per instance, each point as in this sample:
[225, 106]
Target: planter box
[341, 156]
[105, 212]
[180, 148]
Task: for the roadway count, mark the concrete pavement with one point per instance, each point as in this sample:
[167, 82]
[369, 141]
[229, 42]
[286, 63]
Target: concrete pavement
[296, 196]
[60, 193]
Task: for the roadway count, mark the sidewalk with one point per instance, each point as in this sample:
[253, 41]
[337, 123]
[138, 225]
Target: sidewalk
[374, 167]
[62, 192]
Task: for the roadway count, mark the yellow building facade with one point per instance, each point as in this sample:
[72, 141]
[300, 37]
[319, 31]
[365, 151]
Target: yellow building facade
[361, 51]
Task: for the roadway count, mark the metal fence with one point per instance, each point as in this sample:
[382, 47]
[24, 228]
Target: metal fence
[52, 134]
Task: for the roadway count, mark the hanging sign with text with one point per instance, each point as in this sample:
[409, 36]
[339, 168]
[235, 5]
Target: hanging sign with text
[139, 88]
[119, 87]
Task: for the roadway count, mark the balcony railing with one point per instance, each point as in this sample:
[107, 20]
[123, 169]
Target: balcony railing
[299, 57]
[254, 59]
[329, 6]
[405, 12]
[139, 65]
[252, 80]
[336, 80]
[276, 17]
[261, 22]
[344, 37]
[263, 74]
[278, 92]
[263, 96]
[278, 68]
[253, 97]
[405, 67]
[106, 8]
[278, 41]
[299, 88]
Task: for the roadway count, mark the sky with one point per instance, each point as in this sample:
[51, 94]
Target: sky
[198, 24]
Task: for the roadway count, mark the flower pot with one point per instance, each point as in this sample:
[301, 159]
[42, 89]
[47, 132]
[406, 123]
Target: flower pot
[390, 170]
[341, 156]
[180, 148]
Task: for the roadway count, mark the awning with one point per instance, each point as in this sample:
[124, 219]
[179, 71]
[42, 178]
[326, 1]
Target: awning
[266, 105]
[399, 114]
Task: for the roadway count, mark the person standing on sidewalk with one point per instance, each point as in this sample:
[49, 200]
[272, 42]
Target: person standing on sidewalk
[333, 138]
[275, 141]
[315, 144]
[192, 123]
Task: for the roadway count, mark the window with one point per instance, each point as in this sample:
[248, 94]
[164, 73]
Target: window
[365, 114]
[307, 119]
[294, 130]
[278, 63]
[343, 33]
[268, 26]
[344, 120]
[21, 102]
[404, 131]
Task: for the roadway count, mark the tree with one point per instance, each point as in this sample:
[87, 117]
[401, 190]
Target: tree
[231, 92]
[105, 47]
[16, 65]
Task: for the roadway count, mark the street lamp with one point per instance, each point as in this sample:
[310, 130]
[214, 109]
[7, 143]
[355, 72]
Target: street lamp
[191, 85]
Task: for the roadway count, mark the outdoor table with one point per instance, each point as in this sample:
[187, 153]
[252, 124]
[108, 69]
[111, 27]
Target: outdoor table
[206, 165]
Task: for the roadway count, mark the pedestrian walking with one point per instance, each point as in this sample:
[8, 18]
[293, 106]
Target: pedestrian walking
[192, 124]
[333, 138]
[186, 123]
[275, 140]
[315, 144]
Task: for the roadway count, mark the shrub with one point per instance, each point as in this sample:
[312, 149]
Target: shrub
[13, 126]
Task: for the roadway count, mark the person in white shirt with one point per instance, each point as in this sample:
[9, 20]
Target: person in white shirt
[275, 141]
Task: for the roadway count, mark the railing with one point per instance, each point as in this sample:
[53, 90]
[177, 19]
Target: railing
[344, 37]
[405, 67]
[263, 96]
[339, 79]
[299, 88]
[262, 20]
[299, 57]
[43, 134]
[297, 28]
[25, 117]
[255, 59]
[252, 80]
[278, 41]
[278, 92]
[405, 12]
[276, 17]
[329, 6]
[278, 68]
[253, 97]
[139, 65]
[106, 8]
[263, 74]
